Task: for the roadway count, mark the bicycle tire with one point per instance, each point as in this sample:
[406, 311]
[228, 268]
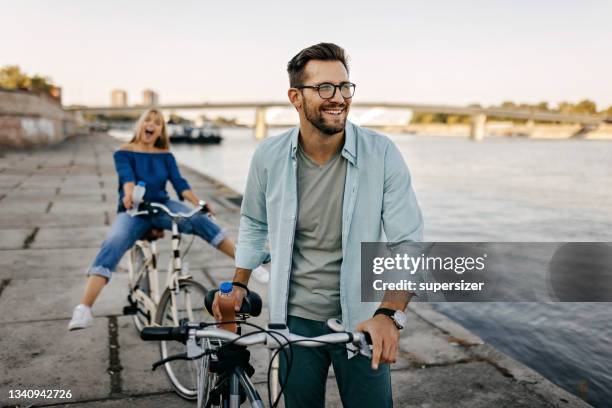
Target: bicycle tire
[183, 374]
[137, 259]
[206, 382]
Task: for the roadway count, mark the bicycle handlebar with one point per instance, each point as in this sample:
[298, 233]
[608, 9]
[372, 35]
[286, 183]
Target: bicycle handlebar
[280, 339]
[276, 335]
[152, 208]
[276, 340]
[179, 333]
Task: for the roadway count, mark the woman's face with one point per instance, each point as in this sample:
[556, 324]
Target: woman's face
[151, 129]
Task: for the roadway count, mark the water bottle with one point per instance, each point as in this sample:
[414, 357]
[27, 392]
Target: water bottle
[137, 195]
[226, 306]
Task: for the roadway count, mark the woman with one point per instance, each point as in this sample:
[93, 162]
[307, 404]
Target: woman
[145, 158]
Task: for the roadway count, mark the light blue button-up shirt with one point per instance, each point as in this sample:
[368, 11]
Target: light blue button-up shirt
[379, 205]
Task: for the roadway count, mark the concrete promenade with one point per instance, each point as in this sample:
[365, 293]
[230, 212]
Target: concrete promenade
[56, 205]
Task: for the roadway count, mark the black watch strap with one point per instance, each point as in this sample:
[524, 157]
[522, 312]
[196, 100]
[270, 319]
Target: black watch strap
[387, 312]
[241, 285]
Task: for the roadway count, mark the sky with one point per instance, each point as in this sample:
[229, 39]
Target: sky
[448, 52]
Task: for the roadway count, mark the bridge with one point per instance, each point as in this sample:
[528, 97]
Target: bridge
[478, 115]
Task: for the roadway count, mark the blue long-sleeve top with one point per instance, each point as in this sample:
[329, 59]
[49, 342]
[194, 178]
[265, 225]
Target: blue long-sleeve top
[155, 169]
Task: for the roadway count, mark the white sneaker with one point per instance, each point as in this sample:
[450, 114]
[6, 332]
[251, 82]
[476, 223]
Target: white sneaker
[261, 274]
[81, 318]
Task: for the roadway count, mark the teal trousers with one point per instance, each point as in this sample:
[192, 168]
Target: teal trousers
[360, 386]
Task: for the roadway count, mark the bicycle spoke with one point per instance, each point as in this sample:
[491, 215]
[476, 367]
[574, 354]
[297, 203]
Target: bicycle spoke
[188, 306]
[172, 308]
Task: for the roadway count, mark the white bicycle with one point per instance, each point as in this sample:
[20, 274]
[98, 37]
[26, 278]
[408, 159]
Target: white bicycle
[182, 298]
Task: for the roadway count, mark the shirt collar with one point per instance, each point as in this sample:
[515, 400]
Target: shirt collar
[349, 150]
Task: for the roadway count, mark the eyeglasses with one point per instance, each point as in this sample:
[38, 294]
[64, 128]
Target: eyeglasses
[328, 91]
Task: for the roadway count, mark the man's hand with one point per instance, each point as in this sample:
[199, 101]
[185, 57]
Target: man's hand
[238, 294]
[385, 339]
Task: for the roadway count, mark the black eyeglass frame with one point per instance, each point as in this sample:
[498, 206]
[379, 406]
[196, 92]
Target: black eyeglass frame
[317, 87]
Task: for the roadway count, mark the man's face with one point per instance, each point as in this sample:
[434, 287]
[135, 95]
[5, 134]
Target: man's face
[327, 115]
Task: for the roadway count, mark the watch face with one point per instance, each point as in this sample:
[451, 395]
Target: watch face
[400, 319]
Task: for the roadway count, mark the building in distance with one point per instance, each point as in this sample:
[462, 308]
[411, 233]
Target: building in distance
[149, 97]
[118, 98]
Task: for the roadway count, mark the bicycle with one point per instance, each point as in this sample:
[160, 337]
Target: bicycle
[229, 385]
[181, 299]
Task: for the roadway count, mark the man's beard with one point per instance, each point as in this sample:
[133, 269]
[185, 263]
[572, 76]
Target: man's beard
[315, 116]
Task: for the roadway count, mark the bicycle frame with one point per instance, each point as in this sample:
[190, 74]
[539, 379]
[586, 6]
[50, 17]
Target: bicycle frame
[174, 275]
[175, 272]
[239, 378]
[151, 300]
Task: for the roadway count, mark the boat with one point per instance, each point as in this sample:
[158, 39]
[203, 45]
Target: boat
[208, 133]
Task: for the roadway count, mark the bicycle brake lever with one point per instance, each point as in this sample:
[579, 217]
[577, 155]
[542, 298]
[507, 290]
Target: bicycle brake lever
[364, 346]
[335, 325]
[193, 349]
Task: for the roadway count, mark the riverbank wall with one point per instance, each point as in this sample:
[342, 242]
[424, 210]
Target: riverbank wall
[30, 120]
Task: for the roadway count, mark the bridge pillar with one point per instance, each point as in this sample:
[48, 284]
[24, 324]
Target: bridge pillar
[261, 126]
[477, 128]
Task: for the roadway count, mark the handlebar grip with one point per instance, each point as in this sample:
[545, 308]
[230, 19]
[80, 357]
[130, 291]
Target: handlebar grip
[251, 304]
[367, 337]
[164, 333]
[209, 299]
[145, 206]
[205, 208]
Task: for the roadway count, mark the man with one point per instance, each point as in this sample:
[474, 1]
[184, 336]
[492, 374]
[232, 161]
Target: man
[317, 192]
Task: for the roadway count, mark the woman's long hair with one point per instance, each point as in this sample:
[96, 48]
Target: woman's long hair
[162, 142]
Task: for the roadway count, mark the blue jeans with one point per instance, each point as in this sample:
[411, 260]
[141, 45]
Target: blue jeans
[126, 230]
[360, 386]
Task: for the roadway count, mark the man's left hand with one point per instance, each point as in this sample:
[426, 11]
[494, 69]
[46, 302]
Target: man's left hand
[385, 339]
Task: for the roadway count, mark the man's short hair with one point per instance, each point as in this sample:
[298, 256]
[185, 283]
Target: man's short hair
[320, 52]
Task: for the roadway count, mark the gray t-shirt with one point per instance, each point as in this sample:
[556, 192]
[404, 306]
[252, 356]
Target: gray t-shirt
[314, 290]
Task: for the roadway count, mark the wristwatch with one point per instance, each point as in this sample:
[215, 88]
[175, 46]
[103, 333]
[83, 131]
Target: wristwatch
[399, 318]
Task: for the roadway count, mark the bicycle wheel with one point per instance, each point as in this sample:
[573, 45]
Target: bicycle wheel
[189, 303]
[206, 380]
[138, 264]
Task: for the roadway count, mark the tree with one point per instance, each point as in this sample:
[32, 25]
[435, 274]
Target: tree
[565, 107]
[11, 77]
[586, 106]
[41, 84]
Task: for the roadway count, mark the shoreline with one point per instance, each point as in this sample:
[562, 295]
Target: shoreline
[493, 130]
[507, 130]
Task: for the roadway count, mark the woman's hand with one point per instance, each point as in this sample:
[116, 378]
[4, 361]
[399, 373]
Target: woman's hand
[208, 210]
[128, 189]
[191, 197]
[127, 202]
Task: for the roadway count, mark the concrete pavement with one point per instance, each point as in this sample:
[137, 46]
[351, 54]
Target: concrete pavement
[57, 203]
